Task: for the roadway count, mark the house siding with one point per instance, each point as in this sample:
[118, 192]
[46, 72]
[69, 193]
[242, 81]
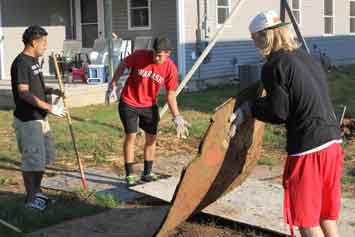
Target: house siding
[163, 21]
[235, 42]
[17, 15]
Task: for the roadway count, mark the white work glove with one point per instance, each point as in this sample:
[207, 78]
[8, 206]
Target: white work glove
[238, 117]
[182, 126]
[59, 110]
[111, 95]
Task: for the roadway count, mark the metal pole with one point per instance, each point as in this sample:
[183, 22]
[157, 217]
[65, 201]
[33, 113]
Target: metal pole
[204, 54]
[108, 34]
[295, 26]
[282, 11]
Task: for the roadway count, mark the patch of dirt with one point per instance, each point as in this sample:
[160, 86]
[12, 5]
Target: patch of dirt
[143, 218]
[12, 182]
[128, 221]
[195, 230]
[348, 129]
[139, 221]
[123, 222]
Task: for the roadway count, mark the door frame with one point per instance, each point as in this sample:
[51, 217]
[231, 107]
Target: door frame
[100, 19]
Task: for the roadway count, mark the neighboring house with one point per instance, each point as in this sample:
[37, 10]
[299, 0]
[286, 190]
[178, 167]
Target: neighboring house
[191, 24]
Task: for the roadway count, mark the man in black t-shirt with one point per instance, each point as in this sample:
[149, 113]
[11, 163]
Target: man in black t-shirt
[30, 116]
[297, 95]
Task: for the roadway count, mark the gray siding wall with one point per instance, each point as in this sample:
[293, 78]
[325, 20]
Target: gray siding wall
[23, 13]
[341, 49]
[236, 43]
[17, 15]
[163, 21]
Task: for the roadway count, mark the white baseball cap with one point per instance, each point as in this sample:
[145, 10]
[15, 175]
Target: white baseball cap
[266, 20]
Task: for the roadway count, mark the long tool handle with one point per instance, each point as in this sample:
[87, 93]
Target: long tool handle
[204, 54]
[342, 115]
[8, 225]
[70, 124]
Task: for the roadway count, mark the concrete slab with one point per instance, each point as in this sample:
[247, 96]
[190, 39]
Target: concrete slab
[102, 182]
[256, 203]
[78, 95]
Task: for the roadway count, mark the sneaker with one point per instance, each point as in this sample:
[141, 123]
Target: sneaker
[131, 180]
[150, 177]
[38, 204]
[45, 198]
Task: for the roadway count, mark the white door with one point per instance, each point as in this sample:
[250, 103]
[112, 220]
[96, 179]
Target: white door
[90, 21]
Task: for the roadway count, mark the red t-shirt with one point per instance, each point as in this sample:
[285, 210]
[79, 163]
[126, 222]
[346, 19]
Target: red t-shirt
[146, 78]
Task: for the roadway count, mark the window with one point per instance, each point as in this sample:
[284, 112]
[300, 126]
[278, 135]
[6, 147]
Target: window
[89, 22]
[139, 14]
[223, 10]
[352, 16]
[328, 8]
[296, 10]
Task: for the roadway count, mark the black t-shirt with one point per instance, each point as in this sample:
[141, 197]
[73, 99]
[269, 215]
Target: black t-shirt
[297, 95]
[26, 70]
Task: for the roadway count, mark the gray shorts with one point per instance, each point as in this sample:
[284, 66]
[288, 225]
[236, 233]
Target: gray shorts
[35, 142]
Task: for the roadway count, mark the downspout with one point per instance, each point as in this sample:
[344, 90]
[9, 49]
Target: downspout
[205, 24]
[198, 35]
[72, 24]
[108, 34]
[206, 30]
[180, 14]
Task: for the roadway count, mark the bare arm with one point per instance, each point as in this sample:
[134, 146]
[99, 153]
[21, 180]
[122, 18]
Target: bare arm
[26, 95]
[173, 106]
[118, 73]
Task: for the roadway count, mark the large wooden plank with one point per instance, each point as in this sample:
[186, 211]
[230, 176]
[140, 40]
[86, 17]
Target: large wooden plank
[222, 163]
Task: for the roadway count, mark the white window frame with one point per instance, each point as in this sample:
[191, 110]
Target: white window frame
[299, 10]
[324, 16]
[149, 27]
[100, 20]
[350, 17]
[229, 8]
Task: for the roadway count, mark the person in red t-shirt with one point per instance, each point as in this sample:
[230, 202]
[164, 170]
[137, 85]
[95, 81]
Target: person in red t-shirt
[150, 70]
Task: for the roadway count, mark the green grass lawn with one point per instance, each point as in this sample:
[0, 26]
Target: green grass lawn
[342, 87]
[67, 207]
[99, 136]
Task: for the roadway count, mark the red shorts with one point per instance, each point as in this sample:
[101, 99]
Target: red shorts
[312, 187]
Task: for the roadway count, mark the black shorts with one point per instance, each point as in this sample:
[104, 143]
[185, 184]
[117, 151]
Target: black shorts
[132, 117]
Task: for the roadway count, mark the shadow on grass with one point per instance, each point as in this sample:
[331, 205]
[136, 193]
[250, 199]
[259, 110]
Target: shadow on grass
[124, 222]
[67, 207]
[95, 122]
[10, 161]
[7, 163]
[205, 101]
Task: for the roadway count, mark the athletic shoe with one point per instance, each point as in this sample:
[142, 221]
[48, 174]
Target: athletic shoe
[131, 180]
[38, 204]
[149, 177]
